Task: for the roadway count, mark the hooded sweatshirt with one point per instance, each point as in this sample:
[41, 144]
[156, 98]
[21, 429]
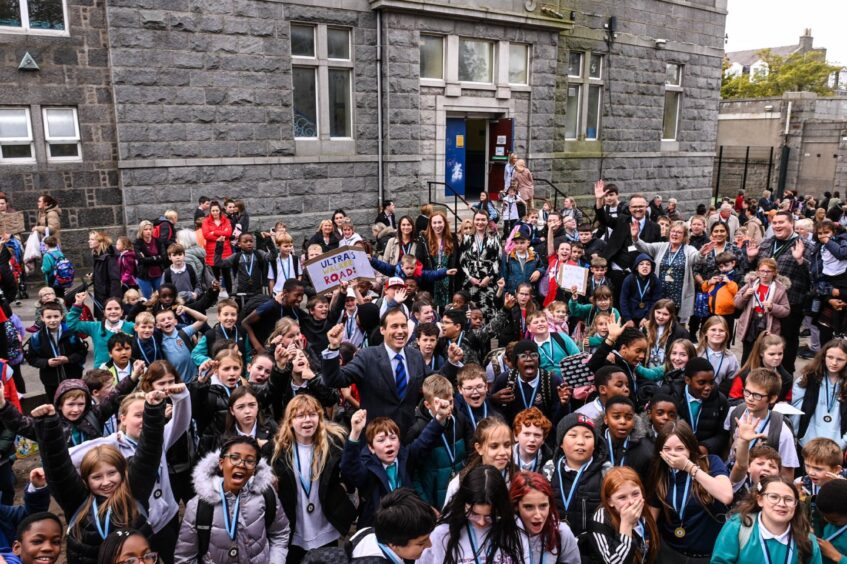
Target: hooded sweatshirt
[639, 293]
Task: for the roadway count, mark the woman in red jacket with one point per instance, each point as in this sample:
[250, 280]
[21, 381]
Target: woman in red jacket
[216, 227]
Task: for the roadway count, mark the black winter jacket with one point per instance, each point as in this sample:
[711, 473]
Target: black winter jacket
[637, 451]
[106, 275]
[586, 498]
[146, 260]
[39, 352]
[71, 492]
[710, 432]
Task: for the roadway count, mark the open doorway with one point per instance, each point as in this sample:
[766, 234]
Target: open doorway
[475, 157]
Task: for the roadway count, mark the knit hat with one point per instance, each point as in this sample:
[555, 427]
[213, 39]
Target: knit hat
[522, 232]
[69, 385]
[569, 422]
[523, 347]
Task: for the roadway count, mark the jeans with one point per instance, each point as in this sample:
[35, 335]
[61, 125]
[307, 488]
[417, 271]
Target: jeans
[147, 287]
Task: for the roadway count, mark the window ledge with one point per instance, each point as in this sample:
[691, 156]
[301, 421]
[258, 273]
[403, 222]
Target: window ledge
[317, 147]
[433, 82]
[520, 87]
[478, 86]
[35, 31]
[670, 145]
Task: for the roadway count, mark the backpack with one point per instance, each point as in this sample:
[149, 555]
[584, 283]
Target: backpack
[13, 340]
[774, 430]
[63, 271]
[205, 512]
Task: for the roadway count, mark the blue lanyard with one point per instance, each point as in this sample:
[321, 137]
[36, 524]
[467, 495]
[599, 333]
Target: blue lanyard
[450, 453]
[766, 553]
[567, 501]
[230, 526]
[285, 269]
[54, 346]
[760, 429]
[689, 399]
[304, 483]
[612, 449]
[543, 351]
[472, 539]
[720, 364]
[530, 549]
[144, 354]
[836, 534]
[519, 460]
[680, 510]
[389, 554]
[226, 335]
[102, 529]
[641, 292]
[672, 258]
[252, 260]
[534, 392]
[470, 412]
[830, 398]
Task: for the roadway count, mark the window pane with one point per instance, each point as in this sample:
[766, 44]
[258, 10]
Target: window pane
[10, 13]
[303, 40]
[592, 128]
[16, 151]
[60, 123]
[572, 115]
[671, 116]
[305, 103]
[46, 14]
[673, 75]
[339, 103]
[432, 56]
[475, 59]
[64, 149]
[575, 64]
[338, 43]
[595, 67]
[517, 64]
[13, 124]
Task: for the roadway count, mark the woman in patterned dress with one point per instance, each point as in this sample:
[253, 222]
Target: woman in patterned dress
[480, 260]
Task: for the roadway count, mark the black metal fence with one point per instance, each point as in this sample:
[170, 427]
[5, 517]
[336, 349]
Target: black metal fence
[751, 169]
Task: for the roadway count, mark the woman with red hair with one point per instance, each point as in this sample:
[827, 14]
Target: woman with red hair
[543, 537]
[622, 532]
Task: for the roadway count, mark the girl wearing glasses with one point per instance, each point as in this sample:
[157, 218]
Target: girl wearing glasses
[689, 493]
[768, 528]
[306, 460]
[107, 493]
[234, 489]
[127, 547]
[544, 538]
[478, 524]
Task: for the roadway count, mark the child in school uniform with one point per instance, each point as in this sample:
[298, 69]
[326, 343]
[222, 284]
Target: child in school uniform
[530, 429]
[610, 381]
[824, 410]
[713, 345]
[623, 436]
[830, 522]
[640, 290]
[822, 460]
[751, 464]
[250, 265]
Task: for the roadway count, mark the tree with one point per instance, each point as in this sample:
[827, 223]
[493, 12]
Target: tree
[799, 72]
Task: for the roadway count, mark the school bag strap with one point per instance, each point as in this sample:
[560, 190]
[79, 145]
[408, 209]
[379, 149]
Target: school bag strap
[205, 512]
[189, 343]
[774, 429]
[744, 532]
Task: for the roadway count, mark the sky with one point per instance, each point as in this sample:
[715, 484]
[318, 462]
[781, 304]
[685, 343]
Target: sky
[754, 24]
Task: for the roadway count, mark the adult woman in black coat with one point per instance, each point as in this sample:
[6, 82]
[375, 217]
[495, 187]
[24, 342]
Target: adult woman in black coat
[106, 276]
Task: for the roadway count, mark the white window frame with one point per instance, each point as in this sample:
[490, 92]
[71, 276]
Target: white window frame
[19, 140]
[584, 81]
[62, 140]
[678, 87]
[527, 49]
[25, 29]
[435, 81]
[321, 63]
[493, 60]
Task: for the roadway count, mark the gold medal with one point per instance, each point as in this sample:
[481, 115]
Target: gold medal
[641, 305]
[679, 532]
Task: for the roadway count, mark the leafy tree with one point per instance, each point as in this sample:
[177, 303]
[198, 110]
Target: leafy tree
[799, 72]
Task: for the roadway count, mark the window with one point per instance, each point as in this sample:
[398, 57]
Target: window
[61, 133]
[33, 15]
[432, 57]
[518, 63]
[322, 76]
[15, 135]
[673, 101]
[585, 96]
[476, 61]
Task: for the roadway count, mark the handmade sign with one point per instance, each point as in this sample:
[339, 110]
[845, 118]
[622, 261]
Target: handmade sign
[570, 276]
[344, 264]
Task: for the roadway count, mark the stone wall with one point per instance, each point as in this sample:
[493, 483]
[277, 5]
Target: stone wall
[73, 72]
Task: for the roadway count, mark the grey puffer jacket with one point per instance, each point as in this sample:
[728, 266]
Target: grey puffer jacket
[253, 542]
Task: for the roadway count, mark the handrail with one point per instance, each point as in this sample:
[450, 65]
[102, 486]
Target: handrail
[456, 198]
[555, 189]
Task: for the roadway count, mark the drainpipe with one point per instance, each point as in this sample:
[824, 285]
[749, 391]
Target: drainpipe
[783, 157]
[380, 181]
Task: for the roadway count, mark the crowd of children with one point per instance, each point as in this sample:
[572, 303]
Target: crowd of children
[472, 406]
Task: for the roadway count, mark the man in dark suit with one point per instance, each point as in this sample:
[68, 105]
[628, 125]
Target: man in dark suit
[619, 251]
[387, 216]
[607, 207]
[389, 377]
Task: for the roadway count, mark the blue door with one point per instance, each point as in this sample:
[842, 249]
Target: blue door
[454, 157]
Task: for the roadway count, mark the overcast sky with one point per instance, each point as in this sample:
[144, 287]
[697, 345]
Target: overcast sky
[754, 24]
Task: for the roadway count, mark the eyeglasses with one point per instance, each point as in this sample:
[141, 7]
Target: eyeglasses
[236, 460]
[528, 356]
[149, 558]
[469, 389]
[753, 395]
[787, 500]
[764, 271]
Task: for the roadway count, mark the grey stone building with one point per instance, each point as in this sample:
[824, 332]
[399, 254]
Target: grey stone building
[301, 107]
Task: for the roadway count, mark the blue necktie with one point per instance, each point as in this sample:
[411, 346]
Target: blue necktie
[400, 376]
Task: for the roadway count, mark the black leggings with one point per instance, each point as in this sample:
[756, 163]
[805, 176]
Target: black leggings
[226, 273]
[182, 487]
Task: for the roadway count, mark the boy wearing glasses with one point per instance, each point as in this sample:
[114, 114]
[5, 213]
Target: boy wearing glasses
[472, 398]
[761, 391]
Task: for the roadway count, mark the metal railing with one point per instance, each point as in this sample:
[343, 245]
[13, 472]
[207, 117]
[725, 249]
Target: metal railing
[556, 192]
[456, 199]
